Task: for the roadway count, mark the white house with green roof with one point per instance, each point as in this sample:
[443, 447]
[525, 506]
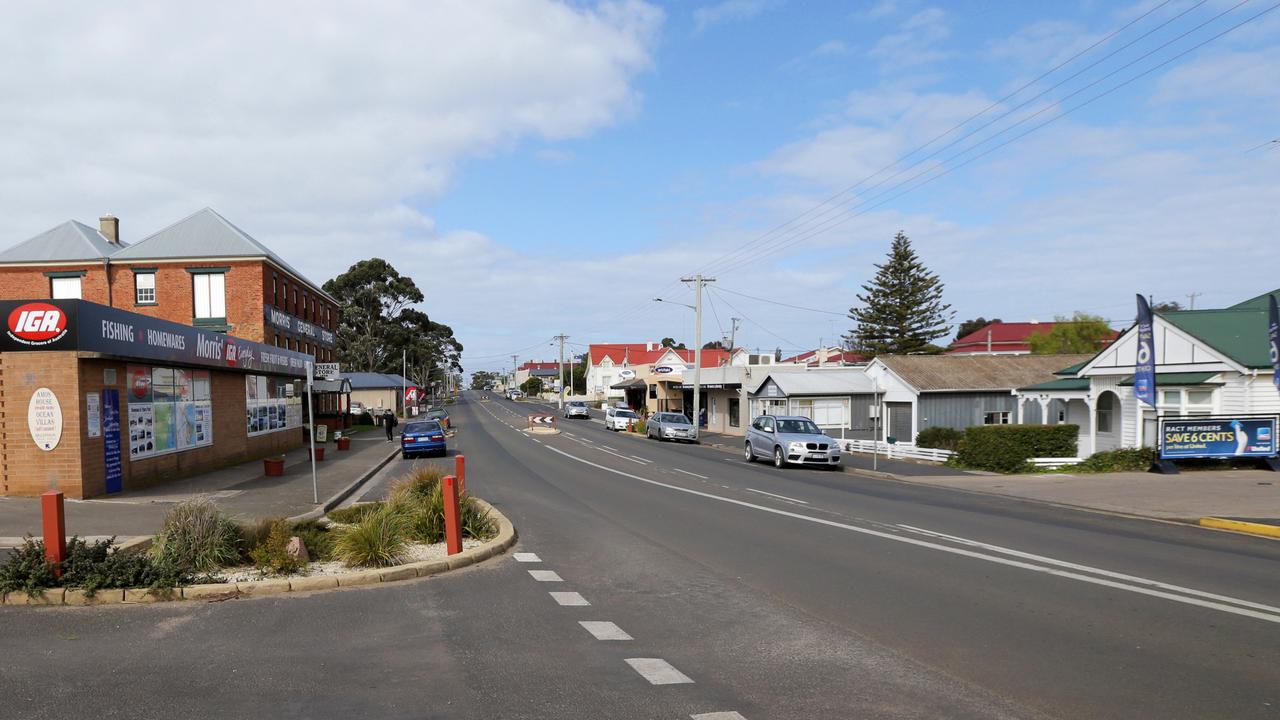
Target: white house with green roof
[1208, 362]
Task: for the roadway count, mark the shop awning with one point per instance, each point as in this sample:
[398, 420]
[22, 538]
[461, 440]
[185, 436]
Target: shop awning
[632, 384]
[341, 385]
[712, 386]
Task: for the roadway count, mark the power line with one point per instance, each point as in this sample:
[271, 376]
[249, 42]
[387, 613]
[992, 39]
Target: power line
[850, 213]
[1272, 143]
[973, 117]
[775, 302]
[791, 344]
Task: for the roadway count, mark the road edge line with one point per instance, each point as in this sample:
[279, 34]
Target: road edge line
[1241, 526]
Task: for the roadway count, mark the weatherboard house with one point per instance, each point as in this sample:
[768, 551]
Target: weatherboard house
[1208, 362]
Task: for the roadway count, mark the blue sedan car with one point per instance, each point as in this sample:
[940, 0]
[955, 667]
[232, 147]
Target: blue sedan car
[421, 438]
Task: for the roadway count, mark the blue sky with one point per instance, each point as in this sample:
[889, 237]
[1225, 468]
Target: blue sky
[543, 167]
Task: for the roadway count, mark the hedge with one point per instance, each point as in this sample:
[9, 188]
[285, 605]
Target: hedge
[1007, 448]
[941, 437]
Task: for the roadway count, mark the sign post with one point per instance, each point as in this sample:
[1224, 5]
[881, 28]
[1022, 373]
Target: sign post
[311, 420]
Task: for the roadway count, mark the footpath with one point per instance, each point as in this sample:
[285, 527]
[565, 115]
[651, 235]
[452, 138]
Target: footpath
[243, 491]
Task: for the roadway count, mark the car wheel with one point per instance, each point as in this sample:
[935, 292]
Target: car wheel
[778, 460]
[750, 454]
[404, 456]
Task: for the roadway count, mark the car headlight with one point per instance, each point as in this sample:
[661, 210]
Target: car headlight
[796, 447]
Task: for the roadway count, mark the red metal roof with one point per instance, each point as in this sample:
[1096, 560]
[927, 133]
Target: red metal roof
[537, 365]
[1007, 337]
[837, 356]
[640, 354]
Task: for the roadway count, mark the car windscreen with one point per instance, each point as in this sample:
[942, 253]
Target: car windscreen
[625, 414]
[577, 403]
[436, 413]
[798, 427]
[677, 420]
[421, 427]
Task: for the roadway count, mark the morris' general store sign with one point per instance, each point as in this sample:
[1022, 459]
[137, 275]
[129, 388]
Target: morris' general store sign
[82, 325]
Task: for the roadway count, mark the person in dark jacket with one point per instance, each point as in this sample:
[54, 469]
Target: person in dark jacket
[389, 420]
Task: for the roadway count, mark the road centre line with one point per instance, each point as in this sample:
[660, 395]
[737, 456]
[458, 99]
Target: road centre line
[780, 497]
[1096, 571]
[643, 460]
[604, 630]
[658, 671]
[686, 472]
[606, 447]
[1273, 615]
[570, 599]
[545, 576]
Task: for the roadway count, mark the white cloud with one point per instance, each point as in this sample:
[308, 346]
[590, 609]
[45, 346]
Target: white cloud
[729, 11]
[915, 43]
[882, 9]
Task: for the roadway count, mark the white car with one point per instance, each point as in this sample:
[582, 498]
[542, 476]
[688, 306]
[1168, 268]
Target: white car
[619, 418]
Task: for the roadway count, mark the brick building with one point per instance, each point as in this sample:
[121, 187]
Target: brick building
[124, 365]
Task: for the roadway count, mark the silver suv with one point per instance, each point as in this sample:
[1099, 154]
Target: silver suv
[576, 408]
[789, 440]
[671, 426]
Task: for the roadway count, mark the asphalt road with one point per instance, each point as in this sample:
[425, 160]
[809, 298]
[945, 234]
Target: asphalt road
[792, 594]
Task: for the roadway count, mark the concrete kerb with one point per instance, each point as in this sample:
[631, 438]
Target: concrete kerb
[1241, 526]
[225, 591]
[346, 492]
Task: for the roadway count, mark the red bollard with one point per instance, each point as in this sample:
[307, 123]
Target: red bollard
[54, 521]
[452, 526]
[460, 467]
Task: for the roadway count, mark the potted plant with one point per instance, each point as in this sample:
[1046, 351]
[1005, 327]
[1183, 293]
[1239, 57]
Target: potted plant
[343, 441]
[319, 452]
[273, 466]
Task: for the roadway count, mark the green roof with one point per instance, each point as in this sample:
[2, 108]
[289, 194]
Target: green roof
[1256, 303]
[1061, 384]
[1182, 378]
[1239, 333]
[1073, 370]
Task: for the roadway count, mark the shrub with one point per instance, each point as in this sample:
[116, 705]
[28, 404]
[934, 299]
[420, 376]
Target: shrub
[93, 567]
[354, 513]
[272, 555]
[255, 533]
[317, 538]
[197, 536]
[1006, 448]
[378, 540]
[421, 482]
[476, 521]
[1121, 460]
[944, 438]
[640, 427]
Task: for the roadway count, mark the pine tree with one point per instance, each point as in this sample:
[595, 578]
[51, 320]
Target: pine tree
[902, 309]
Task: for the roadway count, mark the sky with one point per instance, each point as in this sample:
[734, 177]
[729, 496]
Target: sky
[544, 167]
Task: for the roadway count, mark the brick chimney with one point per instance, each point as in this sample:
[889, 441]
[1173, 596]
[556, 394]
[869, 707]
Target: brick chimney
[109, 226]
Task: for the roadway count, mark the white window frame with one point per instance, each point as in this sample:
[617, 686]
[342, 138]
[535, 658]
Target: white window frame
[60, 288]
[139, 289]
[1002, 417]
[209, 296]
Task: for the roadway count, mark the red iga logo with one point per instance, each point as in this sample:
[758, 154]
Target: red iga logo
[231, 353]
[37, 324]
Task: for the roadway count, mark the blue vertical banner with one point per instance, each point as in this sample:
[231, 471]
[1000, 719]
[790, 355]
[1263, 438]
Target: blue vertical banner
[1273, 334]
[1144, 367]
[111, 440]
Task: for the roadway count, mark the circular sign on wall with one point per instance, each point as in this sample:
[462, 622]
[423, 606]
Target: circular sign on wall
[44, 418]
[626, 374]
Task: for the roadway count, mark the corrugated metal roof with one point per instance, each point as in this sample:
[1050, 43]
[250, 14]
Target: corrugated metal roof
[375, 381]
[1182, 378]
[205, 233]
[977, 372]
[67, 242]
[820, 382]
[1240, 334]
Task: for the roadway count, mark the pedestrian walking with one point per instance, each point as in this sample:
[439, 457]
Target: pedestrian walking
[389, 421]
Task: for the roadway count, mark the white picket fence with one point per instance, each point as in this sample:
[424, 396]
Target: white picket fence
[896, 451]
[1052, 462]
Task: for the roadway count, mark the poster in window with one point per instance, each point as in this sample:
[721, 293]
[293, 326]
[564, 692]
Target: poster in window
[203, 423]
[139, 383]
[250, 388]
[200, 385]
[263, 392]
[141, 430]
[184, 424]
[165, 436]
[182, 385]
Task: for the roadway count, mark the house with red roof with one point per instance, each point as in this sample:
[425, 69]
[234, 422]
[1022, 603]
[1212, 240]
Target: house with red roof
[1002, 338]
[644, 375]
[826, 357]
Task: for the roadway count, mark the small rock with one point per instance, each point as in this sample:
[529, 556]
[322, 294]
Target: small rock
[297, 549]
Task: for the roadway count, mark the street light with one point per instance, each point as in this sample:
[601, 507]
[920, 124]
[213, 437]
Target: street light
[672, 302]
[698, 281]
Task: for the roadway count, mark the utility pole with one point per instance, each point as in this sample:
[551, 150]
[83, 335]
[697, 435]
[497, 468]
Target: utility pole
[1191, 298]
[733, 331]
[561, 337]
[514, 359]
[698, 281]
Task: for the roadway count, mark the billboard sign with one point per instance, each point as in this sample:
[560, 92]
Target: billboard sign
[90, 327]
[1182, 438]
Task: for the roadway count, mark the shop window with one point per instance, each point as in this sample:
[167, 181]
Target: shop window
[169, 410]
[999, 417]
[144, 288]
[1199, 402]
[64, 288]
[271, 404]
[210, 296]
[1105, 413]
[653, 391]
[735, 406]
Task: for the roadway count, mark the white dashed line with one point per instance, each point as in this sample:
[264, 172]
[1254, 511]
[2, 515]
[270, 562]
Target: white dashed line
[606, 447]
[780, 497]
[527, 557]
[545, 576]
[686, 472]
[570, 599]
[604, 630]
[719, 716]
[643, 460]
[658, 671]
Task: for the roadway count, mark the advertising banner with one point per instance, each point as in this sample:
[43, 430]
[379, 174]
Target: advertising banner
[1217, 437]
[82, 325]
[1144, 368]
[111, 440]
[93, 414]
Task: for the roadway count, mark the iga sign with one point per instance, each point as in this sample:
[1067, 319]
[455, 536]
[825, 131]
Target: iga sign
[37, 324]
[1217, 437]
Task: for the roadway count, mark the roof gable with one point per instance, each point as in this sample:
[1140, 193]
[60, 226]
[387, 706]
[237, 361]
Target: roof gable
[1231, 338]
[976, 372]
[70, 241]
